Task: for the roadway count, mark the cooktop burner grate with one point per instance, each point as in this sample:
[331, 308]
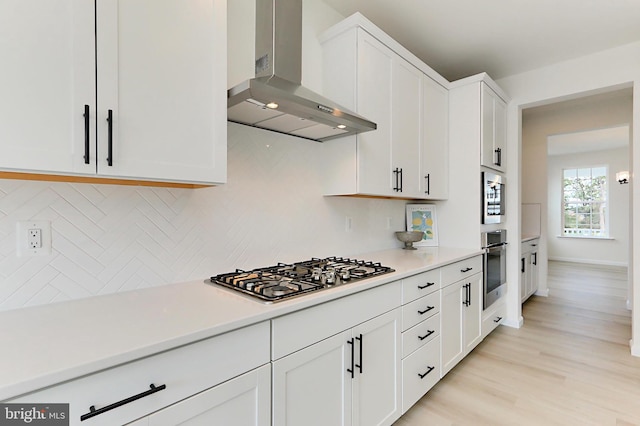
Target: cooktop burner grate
[283, 281]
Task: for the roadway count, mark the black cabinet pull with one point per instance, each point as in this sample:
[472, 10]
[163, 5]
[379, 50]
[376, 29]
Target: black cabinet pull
[86, 134]
[522, 266]
[110, 138]
[429, 370]
[396, 173]
[352, 369]
[93, 412]
[465, 270]
[429, 308]
[469, 294]
[428, 178]
[429, 333]
[422, 287]
[497, 319]
[535, 258]
[359, 338]
[401, 185]
[498, 152]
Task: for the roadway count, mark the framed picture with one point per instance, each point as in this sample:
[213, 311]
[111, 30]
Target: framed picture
[422, 217]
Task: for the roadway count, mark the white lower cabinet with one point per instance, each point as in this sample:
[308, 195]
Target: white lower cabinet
[351, 378]
[492, 317]
[243, 401]
[461, 320]
[131, 391]
[420, 372]
[529, 269]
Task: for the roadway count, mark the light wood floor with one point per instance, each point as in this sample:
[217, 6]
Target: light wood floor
[569, 365]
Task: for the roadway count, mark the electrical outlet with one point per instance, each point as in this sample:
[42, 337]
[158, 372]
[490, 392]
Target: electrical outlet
[33, 238]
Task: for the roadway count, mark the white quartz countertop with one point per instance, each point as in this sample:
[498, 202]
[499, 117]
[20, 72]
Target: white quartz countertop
[528, 237]
[50, 344]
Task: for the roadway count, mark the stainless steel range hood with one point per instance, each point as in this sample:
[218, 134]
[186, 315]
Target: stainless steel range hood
[275, 99]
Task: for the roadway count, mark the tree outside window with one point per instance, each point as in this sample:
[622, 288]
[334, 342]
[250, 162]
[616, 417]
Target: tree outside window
[585, 212]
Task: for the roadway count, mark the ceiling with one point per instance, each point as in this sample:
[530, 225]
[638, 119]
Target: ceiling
[459, 38]
[588, 141]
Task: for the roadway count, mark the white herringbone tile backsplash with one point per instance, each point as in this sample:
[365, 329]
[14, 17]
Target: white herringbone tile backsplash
[109, 238]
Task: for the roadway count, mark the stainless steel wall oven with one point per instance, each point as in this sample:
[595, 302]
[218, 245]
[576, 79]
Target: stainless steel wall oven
[494, 244]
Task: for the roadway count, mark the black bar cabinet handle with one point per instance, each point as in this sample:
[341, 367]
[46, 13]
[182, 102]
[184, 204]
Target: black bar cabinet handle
[401, 185]
[469, 292]
[396, 173]
[93, 412]
[352, 369]
[497, 319]
[428, 178]
[465, 270]
[426, 310]
[110, 138]
[429, 333]
[86, 134]
[422, 287]
[498, 153]
[359, 338]
[535, 258]
[429, 370]
[522, 266]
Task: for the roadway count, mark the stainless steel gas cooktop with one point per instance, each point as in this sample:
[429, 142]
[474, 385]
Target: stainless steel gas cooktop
[284, 281]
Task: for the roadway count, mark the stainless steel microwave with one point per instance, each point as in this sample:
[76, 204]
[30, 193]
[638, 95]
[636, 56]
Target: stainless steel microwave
[493, 198]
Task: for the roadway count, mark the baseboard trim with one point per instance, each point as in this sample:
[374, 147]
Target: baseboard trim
[543, 293]
[589, 261]
[513, 324]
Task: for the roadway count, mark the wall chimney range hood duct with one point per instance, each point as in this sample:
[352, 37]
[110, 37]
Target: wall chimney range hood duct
[275, 99]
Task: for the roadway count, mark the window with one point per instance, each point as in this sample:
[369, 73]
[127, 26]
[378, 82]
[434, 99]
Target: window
[585, 210]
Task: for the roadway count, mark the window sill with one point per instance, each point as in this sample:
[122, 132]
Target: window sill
[570, 237]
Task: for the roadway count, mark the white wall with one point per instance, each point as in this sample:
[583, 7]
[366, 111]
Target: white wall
[612, 251]
[110, 238]
[619, 67]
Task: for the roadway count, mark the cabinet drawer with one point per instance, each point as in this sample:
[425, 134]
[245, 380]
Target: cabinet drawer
[420, 285]
[184, 371]
[460, 270]
[493, 318]
[298, 330]
[419, 310]
[420, 371]
[420, 334]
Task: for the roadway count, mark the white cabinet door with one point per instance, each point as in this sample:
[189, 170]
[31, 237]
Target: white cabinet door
[312, 386]
[243, 401]
[161, 73]
[494, 130]
[461, 313]
[374, 101]
[46, 78]
[452, 315]
[500, 132]
[406, 117]
[533, 273]
[473, 313]
[434, 150]
[377, 387]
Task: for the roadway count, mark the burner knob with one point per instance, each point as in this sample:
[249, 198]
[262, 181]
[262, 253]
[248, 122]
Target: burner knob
[330, 276]
[345, 275]
[316, 274]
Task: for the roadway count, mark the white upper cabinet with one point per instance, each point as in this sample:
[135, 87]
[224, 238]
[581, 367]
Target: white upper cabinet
[494, 130]
[368, 72]
[46, 78]
[434, 150]
[158, 70]
[374, 101]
